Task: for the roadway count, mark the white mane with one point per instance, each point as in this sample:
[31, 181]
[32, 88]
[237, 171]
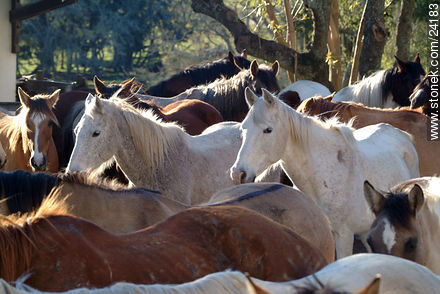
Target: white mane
[367, 91]
[301, 126]
[152, 138]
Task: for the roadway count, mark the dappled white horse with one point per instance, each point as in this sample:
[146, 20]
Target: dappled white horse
[307, 89]
[328, 161]
[155, 154]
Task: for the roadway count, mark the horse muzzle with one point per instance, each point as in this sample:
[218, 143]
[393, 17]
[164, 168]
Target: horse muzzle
[240, 176]
[39, 166]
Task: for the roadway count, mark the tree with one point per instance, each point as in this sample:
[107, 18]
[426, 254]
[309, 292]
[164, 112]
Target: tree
[404, 30]
[375, 36]
[311, 64]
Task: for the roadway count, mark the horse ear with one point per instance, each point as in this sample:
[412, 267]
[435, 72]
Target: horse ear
[374, 198]
[100, 87]
[329, 98]
[268, 97]
[373, 287]
[401, 65]
[125, 90]
[253, 288]
[254, 68]
[275, 67]
[231, 57]
[93, 102]
[417, 58]
[54, 98]
[24, 97]
[244, 53]
[250, 97]
[416, 199]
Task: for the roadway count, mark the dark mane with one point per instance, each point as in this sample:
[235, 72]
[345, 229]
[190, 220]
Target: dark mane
[250, 195]
[315, 286]
[24, 191]
[91, 180]
[396, 207]
[199, 74]
[227, 95]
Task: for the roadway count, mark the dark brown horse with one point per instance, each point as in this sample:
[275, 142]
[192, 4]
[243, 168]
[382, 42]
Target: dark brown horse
[421, 95]
[199, 74]
[63, 252]
[227, 95]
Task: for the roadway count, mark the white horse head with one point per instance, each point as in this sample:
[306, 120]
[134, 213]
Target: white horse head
[260, 129]
[95, 136]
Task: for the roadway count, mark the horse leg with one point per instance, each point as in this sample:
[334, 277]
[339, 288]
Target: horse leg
[343, 242]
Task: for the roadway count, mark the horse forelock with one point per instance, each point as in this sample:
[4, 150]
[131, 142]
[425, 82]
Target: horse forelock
[397, 209]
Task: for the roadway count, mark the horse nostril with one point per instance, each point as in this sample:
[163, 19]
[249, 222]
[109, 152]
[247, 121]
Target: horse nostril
[241, 177]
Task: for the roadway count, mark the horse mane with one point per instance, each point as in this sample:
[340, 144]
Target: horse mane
[23, 191]
[93, 180]
[371, 90]
[152, 138]
[224, 91]
[16, 237]
[327, 109]
[300, 126]
[202, 73]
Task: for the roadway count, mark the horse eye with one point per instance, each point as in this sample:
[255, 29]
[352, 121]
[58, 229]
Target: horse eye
[96, 133]
[410, 244]
[267, 130]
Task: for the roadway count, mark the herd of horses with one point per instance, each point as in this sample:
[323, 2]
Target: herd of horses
[219, 181]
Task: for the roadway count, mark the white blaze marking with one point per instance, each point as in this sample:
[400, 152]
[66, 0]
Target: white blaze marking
[389, 235]
[37, 118]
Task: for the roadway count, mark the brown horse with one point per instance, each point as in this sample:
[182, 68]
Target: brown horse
[121, 210]
[411, 121]
[63, 252]
[194, 115]
[27, 136]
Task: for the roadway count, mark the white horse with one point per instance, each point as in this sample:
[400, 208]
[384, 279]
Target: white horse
[328, 161]
[155, 154]
[307, 89]
[353, 273]
[407, 221]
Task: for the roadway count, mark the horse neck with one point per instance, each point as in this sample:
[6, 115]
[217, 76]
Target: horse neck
[429, 222]
[146, 146]
[370, 91]
[224, 94]
[309, 145]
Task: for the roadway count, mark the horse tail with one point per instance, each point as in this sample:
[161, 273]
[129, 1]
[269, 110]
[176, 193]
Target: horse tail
[25, 191]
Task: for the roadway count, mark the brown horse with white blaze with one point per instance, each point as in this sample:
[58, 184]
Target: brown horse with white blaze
[27, 136]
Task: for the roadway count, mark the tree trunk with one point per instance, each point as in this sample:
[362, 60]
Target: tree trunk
[375, 36]
[290, 36]
[334, 47]
[311, 64]
[404, 29]
[357, 49]
[274, 22]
